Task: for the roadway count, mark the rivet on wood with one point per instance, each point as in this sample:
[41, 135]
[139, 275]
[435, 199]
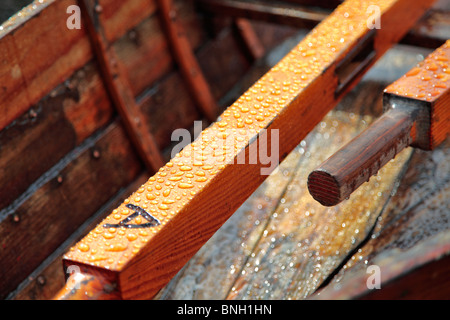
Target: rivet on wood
[96, 153]
[69, 85]
[132, 35]
[32, 113]
[98, 8]
[41, 280]
[16, 217]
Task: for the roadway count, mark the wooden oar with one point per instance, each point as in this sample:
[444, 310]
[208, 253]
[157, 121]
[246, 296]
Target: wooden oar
[178, 209]
[418, 115]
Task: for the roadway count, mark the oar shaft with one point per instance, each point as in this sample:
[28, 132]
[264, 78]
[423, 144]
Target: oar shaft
[361, 158]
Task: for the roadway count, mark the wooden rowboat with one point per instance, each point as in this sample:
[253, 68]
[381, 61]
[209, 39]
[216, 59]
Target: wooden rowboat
[87, 117]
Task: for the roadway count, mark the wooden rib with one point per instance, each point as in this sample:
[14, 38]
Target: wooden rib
[187, 61]
[196, 192]
[251, 41]
[119, 90]
[292, 15]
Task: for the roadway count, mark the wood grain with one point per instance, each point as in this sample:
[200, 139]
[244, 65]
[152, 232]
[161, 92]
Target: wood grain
[417, 114]
[410, 240]
[61, 201]
[304, 242]
[144, 50]
[30, 67]
[428, 84]
[48, 131]
[146, 265]
[260, 234]
[48, 279]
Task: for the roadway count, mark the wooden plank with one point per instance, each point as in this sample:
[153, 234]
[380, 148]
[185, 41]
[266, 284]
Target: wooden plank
[297, 243]
[19, 13]
[118, 17]
[62, 200]
[291, 98]
[223, 63]
[87, 108]
[428, 86]
[210, 274]
[48, 278]
[417, 113]
[232, 254]
[303, 242]
[144, 50]
[170, 94]
[53, 127]
[410, 241]
[31, 67]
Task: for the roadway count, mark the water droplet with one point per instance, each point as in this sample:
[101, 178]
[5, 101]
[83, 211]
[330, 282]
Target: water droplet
[116, 247]
[83, 247]
[108, 235]
[184, 185]
[163, 206]
[131, 236]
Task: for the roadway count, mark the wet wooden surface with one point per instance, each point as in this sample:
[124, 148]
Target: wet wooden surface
[82, 105]
[307, 84]
[73, 130]
[410, 237]
[281, 244]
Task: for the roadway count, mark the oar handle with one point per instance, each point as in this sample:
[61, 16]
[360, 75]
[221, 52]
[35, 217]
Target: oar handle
[85, 286]
[342, 173]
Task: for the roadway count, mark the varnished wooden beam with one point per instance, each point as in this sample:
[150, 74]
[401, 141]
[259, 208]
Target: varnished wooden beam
[417, 114]
[189, 198]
